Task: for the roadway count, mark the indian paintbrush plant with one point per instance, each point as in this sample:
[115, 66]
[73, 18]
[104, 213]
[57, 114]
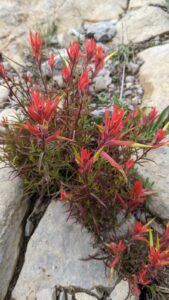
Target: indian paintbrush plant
[60, 150]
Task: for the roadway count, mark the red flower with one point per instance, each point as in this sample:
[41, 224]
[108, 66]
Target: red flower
[36, 44]
[138, 231]
[63, 195]
[143, 277]
[41, 133]
[83, 82]
[160, 134]
[2, 71]
[99, 59]
[74, 52]
[40, 109]
[137, 194]
[27, 78]
[84, 161]
[117, 250]
[153, 114]
[158, 259]
[90, 48]
[51, 61]
[129, 164]
[66, 74]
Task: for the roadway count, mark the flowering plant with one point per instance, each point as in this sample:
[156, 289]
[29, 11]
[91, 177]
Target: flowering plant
[62, 152]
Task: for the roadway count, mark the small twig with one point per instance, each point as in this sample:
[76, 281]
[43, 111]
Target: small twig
[122, 82]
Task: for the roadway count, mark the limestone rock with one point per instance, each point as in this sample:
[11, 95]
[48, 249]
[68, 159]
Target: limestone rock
[101, 31]
[46, 294]
[9, 114]
[12, 211]
[140, 3]
[141, 24]
[4, 93]
[154, 76]
[84, 296]
[54, 256]
[158, 173]
[121, 292]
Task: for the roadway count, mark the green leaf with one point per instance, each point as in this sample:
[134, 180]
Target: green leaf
[163, 117]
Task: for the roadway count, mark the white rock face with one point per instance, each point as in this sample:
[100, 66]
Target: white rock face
[84, 296]
[154, 76]
[141, 24]
[12, 211]
[140, 3]
[54, 256]
[121, 292]
[46, 294]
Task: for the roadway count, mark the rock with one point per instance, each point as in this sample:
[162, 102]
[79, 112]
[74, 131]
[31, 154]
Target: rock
[9, 114]
[129, 78]
[101, 31]
[12, 211]
[75, 12]
[61, 246]
[4, 94]
[157, 172]
[132, 68]
[62, 296]
[154, 20]
[153, 75]
[29, 228]
[84, 296]
[58, 79]
[46, 294]
[140, 3]
[121, 292]
[101, 83]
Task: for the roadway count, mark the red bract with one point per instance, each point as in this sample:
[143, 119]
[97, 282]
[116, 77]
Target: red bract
[66, 74]
[40, 109]
[111, 131]
[99, 60]
[138, 231]
[143, 277]
[83, 82]
[27, 78]
[90, 48]
[36, 44]
[2, 71]
[84, 160]
[63, 195]
[160, 134]
[41, 133]
[158, 259]
[129, 165]
[117, 250]
[137, 194]
[74, 53]
[152, 116]
[51, 61]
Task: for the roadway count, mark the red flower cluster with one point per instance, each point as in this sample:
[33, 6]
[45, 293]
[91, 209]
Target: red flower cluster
[2, 71]
[117, 250]
[84, 160]
[36, 44]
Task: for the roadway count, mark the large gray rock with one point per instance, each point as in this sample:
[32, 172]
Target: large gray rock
[157, 171]
[54, 254]
[154, 74]
[101, 31]
[12, 211]
[141, 24]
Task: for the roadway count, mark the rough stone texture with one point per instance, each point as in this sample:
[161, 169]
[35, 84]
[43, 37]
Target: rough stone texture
[140, 3]
[76, 11]
[9, 114]
[12, 211]
[54, 256]
[141, 24]
[154, 76]
[101, 31]
[84, 296]
[4, 93]
[46, 294]
[121, 292]
[158, 173]
[42, 14]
